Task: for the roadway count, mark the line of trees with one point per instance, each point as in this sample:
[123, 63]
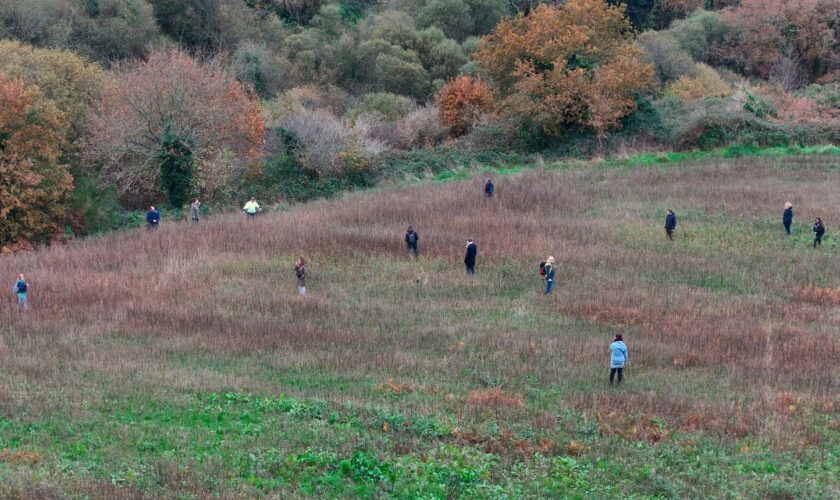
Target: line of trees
[159, 100]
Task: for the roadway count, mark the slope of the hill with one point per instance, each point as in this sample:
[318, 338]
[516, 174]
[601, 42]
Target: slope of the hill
[182, 362]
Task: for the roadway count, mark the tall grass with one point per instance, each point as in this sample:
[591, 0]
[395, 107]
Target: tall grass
[726, 326]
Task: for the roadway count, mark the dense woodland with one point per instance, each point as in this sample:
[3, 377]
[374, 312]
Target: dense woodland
[109, 105]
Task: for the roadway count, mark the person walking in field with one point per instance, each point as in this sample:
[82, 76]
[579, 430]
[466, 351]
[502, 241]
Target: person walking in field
[195, 211]
[411, 239]
[787, 216]
[548, 272]
[20, 288]
[300, 273]
[670, 224]
[618, 358]
[469, 258]
[819, 231]
[152, 218]
[489, 188]
[251, 208]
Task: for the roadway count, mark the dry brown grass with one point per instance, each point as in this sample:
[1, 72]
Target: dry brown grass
[717, 324]
[495, 397]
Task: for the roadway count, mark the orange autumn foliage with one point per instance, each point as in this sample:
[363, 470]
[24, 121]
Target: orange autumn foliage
[574, 64]
[33, 185]
[462, 101]
[203, 102]
[766, 31]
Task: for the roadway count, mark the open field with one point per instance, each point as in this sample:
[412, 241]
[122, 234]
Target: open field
[182, 363]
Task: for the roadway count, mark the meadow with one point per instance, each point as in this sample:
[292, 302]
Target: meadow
[182, 364]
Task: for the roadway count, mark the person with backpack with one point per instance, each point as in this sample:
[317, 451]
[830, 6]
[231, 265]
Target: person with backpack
[152, 219]
[618, 358]
[469, 258]
[547, 270]
[300, 273]
[251, 208]
[20, 288]
[787, 216]
[411, 239]
[195, 211]
[489, 188]
[819, 231]
[670, 224]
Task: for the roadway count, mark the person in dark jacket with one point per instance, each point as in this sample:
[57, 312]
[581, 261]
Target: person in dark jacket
[670, 224]
[411, 239]
[195, 211]
[787, 217]
[469, 258]
[489, 188]
[819, 231]
[152, 218]
[300, 273]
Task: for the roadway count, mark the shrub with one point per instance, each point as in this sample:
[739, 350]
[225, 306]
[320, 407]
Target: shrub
[700, 34]
[177, 166]
[34, 187]
[574, 64]
[330, 146]
[707, 83]
[401, 75]
[462, 102]
[798, 34]
[420, 128]
[383, 106]
[172, 91]
[453, 17]
[669, 60]
[824, 95]
[264, 70]
[713, 124]
[69, 81]
[486, 14]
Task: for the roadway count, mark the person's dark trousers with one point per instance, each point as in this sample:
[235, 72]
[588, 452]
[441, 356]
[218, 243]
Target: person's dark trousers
[412, 249]
[787, 228]
[470, 269]
[549, 285]
[613, 371]
[670, 233]
[818, 241]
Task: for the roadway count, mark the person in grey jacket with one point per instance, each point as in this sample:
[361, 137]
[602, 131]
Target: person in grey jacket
[195, 211]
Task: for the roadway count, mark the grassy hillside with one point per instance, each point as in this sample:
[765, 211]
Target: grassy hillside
[182, 363]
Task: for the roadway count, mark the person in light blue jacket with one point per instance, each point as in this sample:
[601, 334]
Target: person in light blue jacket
[618, 358]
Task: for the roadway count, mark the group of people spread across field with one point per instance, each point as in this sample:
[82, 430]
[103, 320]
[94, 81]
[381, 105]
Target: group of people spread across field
[618, 349]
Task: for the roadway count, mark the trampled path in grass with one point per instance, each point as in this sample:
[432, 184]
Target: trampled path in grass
[182, 362]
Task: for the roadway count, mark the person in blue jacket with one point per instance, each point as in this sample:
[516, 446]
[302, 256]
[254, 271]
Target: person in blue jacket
[152, 218]
[670, 224]
[618, 358]
[787, 217]
[20, 288]
[489, 188]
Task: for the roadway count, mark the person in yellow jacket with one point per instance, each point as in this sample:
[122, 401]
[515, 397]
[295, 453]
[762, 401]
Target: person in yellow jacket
[252, 208]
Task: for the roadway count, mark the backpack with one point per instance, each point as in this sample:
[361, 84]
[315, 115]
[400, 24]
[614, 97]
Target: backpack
[20, 287]
[412, 238]
[542, 268]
